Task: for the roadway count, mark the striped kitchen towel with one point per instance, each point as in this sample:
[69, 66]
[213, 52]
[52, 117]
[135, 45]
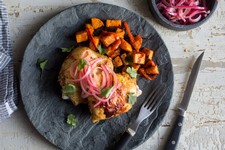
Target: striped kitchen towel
[8, 86]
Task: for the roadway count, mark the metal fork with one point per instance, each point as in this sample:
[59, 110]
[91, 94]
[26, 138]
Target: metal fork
[151, 103]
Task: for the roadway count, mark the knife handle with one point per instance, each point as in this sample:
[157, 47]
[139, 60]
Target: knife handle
[175, 134]
[124, 140]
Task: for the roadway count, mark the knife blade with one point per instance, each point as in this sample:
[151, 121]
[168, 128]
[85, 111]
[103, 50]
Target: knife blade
[175, 134]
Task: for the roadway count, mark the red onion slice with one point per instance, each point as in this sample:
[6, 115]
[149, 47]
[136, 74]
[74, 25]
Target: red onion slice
[183, 11]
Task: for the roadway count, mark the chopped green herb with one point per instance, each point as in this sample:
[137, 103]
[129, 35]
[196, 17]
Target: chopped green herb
[132, 72]
[69, 89]
[67, 50]
[106, 91]
[71, 120]
[132, 98]
[101, 49]
[81, 64]
[41, 63]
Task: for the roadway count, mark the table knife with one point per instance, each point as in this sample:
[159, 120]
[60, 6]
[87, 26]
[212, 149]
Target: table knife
[175, 134]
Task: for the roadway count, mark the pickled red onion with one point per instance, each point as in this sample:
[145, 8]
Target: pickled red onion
[86, 78]
[183, 11]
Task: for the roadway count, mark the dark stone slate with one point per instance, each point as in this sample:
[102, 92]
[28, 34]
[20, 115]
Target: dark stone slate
[42, 98]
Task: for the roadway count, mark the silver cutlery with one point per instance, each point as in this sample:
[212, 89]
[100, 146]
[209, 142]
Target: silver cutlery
[175, 134]
[151, 103]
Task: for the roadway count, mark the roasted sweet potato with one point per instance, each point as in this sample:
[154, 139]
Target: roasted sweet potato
[139, 58]
[117, 61]
[81, 36]
[96, 23]
[136, 66]
[113, 49]
[137, 43]
[124, 53]
[115, 45]
[90, 27]
[113, 23]
[108, 39]
[130, 35]
[152, 70]
[120, 33]
[91, 38]
[113, 53]
[149, 63]
[125, 46]
[93, 45]
[142, 72]
[148, 52]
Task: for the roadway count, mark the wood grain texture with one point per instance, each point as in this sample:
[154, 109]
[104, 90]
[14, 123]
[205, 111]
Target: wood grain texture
[205, 120]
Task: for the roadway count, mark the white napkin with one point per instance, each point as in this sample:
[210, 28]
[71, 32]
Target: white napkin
[8, 86]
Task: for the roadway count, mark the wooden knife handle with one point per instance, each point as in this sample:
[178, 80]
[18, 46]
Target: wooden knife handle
[122, 143]
[175, 134]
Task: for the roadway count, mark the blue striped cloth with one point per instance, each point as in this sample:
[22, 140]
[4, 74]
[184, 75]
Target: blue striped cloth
[8, 86]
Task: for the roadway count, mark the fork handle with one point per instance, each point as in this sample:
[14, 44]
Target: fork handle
[124, 140]
[175, 134]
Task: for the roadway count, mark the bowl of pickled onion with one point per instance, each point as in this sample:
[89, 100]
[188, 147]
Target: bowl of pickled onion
[182, 15]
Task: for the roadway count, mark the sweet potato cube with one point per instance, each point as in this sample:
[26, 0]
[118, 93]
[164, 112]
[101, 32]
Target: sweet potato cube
[113, 23]
[148, 52]
[149, 63]
[120, 33]
[81, 36]
[116, 53]
[137, 42]
[113, 53]
[95, 43]
[125, 46]
[108, 39]
[136, 66]
[142, 72]
[117, 61]
[119, 30]
[115, 45]
[90, 27]
[96, 23]
[152, 70]
[139, 58]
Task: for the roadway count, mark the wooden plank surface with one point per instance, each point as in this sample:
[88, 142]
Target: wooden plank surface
[204, 126]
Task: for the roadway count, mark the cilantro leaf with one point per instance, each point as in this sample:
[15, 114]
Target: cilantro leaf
[41, 63]
[81, 64]
[69, 89]
[132, 72]
[101, 49]
[132, 98]
[71, 120]
[106, 91]
[67, 50]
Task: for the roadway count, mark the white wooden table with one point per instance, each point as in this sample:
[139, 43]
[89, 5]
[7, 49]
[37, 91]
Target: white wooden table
[204, 126]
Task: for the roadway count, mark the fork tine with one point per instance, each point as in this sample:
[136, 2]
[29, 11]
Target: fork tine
[157, 99]
[149, 99]
[154, 99]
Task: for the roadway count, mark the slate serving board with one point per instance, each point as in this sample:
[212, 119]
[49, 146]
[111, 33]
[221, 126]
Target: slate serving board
[42, 98]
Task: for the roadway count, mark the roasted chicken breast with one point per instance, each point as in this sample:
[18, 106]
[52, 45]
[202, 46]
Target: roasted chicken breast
[116, 105]
[65, 75]
[108, 94]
